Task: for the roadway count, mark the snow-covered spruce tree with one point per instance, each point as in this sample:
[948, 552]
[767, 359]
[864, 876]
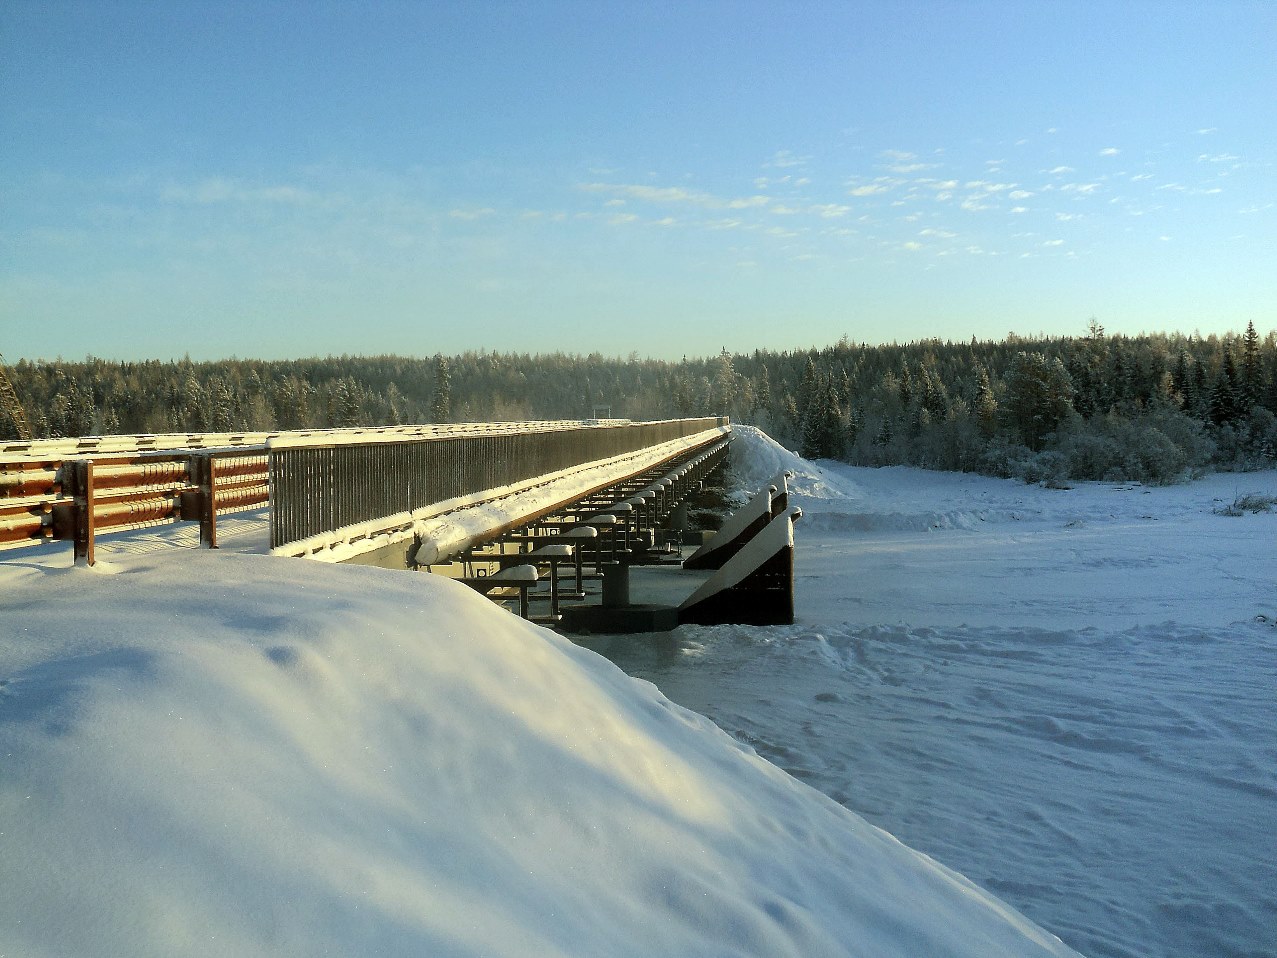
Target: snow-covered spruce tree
[441, 396]
[1039, 397]
[1251, 387]
[986, 405]
[824, 435]
[1224, 406]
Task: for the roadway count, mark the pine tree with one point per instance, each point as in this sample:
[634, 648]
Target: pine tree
[807, 387]
[725, 384]
[441, 398]
[823, 434]
[1251, 388]
[986, 405]
[1039, 396]
[345, 408]
[1224, 395]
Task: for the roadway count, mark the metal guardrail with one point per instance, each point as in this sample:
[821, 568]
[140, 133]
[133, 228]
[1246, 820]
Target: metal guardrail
[316, 489]
[42, 500]
[315, 481]
[82, 446]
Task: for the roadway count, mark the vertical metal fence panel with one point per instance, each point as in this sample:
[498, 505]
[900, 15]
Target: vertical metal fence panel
[318, 489]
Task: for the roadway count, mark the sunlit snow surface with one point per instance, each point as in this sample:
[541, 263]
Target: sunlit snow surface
[1070, 696]
[211, 754]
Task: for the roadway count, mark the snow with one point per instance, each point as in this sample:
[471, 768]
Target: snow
[224, 754]
[1066, 695]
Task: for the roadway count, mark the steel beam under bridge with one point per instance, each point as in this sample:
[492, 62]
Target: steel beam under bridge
[334, 500]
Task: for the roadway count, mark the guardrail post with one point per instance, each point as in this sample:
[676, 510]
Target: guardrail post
[82, 540]
[208, 516]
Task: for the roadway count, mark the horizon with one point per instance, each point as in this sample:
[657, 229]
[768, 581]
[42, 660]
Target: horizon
[667, 181]
[1027, 338]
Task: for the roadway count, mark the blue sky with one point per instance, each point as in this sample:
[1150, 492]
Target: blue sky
[296, 179]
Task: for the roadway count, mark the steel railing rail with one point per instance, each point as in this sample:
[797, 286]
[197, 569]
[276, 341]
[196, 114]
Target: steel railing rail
[83, 446]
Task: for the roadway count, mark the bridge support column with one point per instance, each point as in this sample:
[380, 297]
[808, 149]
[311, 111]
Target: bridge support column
[616, 585]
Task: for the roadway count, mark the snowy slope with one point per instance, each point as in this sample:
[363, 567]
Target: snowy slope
[1067, 695]
[218, 754]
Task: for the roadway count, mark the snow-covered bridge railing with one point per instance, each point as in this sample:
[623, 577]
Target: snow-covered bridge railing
[74, 489]
[319, 488]
[50, 499]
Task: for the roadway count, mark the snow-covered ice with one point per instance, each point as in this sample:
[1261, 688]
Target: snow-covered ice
[1070, 696]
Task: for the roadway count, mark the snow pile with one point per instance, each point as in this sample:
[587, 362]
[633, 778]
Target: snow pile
[757, 459]
[213, 754]
[832, 500]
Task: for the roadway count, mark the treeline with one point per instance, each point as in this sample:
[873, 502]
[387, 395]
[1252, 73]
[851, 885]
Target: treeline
[1089, 407]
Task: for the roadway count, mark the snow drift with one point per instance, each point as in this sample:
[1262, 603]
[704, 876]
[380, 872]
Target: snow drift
[231, 755]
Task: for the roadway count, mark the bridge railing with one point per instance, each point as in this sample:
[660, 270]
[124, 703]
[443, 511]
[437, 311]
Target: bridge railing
[315, 481]
[74, 447]
[75, 499]
[321, 488]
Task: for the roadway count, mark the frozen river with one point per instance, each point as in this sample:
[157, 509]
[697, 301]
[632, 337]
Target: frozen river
[1070, 696]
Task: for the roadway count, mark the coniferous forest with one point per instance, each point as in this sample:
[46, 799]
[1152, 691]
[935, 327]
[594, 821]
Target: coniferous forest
[1151, 408]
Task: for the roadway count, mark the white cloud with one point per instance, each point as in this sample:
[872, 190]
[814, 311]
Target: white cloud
[785, 210]
[672, 194]
[1020, 194]
[1059, 170]
[830, 210]
[1109, 151]
[622, 218]
[1208, 131]
[939, 234]
[1218, 158]
[870, 189]
[1054, 242]
[1019, 209]
[748, 202]
[913, 246]
[665, 221]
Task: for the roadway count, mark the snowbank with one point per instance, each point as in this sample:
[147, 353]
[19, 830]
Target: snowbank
[232, 755]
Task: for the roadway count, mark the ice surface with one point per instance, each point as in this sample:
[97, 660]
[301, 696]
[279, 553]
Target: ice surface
[1067, 695]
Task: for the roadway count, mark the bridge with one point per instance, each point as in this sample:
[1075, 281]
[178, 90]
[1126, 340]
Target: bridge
[508, 508]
